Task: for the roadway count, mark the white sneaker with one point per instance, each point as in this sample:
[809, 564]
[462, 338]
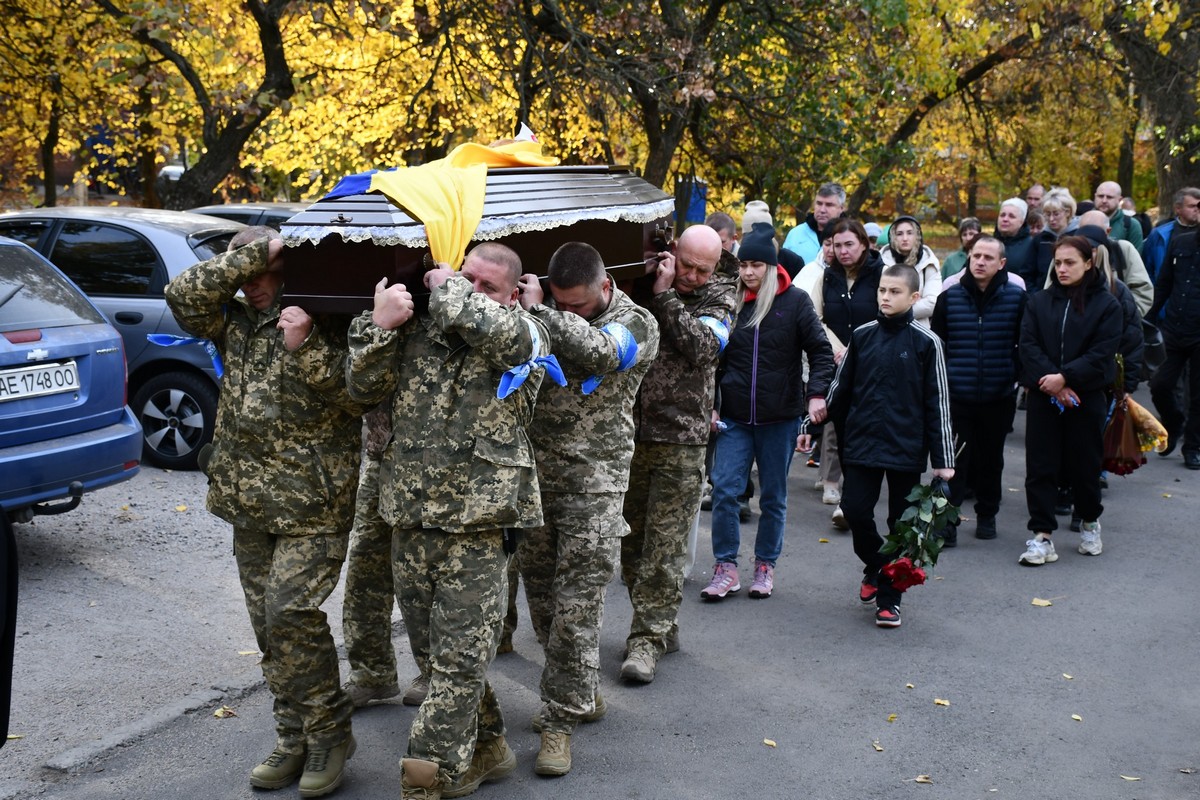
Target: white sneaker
[839, 520]
[819, 485]
[1038, 552]
[1090, 544]
[831, 496]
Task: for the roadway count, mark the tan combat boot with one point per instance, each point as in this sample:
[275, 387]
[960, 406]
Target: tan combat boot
[419, 780]
[279, 770]
[325, 768]
[416, 692]
[493, 759]
[555, 756]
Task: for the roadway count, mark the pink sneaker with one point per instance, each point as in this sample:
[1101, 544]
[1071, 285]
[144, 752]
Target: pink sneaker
[764, 580]
[724, 581]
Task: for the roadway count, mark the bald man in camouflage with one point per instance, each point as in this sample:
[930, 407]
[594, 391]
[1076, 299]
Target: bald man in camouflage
[583, 438]
[458, 470]
[673, 416]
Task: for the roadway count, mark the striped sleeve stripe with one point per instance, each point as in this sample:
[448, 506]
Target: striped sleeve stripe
[943, 396]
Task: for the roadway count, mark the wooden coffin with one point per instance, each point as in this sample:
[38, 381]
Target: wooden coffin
[339, 248]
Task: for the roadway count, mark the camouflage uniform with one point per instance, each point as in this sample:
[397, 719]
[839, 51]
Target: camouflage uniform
[369, 595]
[283, 472]
[458, 469]
[584, 443]
[673, 415]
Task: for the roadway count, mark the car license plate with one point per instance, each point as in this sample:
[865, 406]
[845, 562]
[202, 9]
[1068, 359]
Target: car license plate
[41, 379]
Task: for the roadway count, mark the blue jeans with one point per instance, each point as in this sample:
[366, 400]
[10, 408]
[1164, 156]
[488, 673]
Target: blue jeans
[738, 447]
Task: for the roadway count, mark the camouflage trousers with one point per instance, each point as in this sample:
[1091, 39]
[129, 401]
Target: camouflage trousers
[370, 589]
[452, 589]
[514, 586]
[285, 580]
[567, 565]
[663, 497]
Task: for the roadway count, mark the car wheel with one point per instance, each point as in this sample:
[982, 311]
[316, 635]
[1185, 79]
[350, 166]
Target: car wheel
[178, 411]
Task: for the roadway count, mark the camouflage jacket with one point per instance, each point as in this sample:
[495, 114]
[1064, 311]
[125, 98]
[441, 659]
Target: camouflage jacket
[459, 458]
[584, 442]
[286, 446]
[676, 399]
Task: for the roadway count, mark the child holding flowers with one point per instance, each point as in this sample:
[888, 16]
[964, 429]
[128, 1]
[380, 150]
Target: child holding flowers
[890, 405]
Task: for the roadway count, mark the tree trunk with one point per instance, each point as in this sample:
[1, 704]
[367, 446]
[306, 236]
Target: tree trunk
[972, 189]
[1167, 82]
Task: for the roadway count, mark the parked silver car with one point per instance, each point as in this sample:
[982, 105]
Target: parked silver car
[271, 214]
[122, 258]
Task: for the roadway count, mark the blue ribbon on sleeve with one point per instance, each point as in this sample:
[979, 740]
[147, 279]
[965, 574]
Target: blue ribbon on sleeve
[167, 340]
[627, 350]
[719, 329]
[512, 379]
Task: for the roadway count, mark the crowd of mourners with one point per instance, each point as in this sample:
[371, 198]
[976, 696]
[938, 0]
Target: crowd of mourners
[547, 432]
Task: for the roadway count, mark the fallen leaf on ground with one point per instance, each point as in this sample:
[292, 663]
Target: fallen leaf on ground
[769, 742]
[1077, 718]
[181, 508]
[937, 701]
[1166, 495]
[1040, 603]
[1011, 489]
[923, 779]
[1068, 677]
[1129, 778]
[13, 736]
[223, 712]
[247, 652]
[909, 686]
[876, 745]
[893, 717]
[823, 541]
[1187, 771]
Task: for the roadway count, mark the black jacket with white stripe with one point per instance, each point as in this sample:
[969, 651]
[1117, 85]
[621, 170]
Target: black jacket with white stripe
[890, 401]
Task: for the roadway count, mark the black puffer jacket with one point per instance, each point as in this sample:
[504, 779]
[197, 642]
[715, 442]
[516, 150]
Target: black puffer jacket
[1055, 338]
[761, 369]
[1177, 290]
[845, 309]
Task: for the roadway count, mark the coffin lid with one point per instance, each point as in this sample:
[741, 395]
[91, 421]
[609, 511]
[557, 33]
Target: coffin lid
[518, 200]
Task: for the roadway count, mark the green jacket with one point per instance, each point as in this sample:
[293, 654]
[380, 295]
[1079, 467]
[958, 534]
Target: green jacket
[287, 439]
[459, 458]
[584, 442]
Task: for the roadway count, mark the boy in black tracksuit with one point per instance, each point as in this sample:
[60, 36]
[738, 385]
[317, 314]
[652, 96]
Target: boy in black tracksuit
[890, 404]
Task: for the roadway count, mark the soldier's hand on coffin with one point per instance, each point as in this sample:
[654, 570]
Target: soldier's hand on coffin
[296, 325]
[531, 291]
[664, 277]
[275, 255]
[393, 305]
[436, 277]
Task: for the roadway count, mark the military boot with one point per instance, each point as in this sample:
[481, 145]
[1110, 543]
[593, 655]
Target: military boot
[419, 780]
[325, 768]
[555, 756]
[493, 759]
[279, 770]
[416, 692]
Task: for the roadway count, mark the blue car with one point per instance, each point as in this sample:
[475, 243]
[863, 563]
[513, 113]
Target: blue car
[65, 428]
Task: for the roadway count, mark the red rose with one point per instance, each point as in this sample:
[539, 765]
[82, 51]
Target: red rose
[903, 574]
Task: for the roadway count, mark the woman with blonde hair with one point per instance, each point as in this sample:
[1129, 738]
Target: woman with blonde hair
[763, 398]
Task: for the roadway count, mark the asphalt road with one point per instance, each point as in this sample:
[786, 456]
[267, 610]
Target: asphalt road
[132, 626]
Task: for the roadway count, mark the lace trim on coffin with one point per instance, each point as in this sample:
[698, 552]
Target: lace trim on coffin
[490, 228]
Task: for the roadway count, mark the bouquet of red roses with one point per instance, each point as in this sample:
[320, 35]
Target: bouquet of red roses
[916, 540]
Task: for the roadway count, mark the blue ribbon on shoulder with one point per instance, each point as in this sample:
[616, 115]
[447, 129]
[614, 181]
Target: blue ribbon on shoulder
[627, 350]
[168, 340]
[512, 379]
